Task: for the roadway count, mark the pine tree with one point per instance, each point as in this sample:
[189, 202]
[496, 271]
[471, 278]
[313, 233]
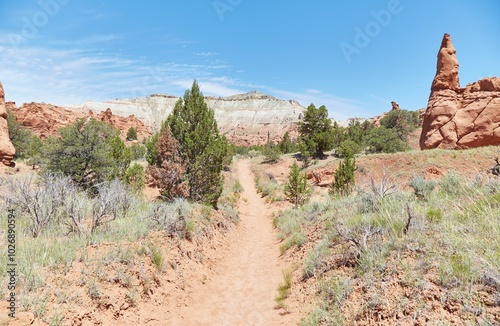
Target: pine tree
[201, 146]
[297, 190]
[344, 181]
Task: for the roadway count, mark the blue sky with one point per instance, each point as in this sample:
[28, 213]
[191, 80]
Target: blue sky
[354, 57]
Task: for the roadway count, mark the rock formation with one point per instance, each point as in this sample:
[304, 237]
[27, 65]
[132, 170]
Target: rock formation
[7, 150]
[395, 106]
[245, 119]
[46, 119]
[456, 117]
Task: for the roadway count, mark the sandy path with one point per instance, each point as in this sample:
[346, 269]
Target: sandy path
[243, 289]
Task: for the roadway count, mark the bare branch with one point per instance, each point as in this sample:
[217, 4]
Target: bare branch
[408, 221]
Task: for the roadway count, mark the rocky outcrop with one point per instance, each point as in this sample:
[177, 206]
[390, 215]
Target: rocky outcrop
[7, 150]
[46, 119]
[459, 118]
[245, 119]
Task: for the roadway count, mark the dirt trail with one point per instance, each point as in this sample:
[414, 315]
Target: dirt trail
[243, 289]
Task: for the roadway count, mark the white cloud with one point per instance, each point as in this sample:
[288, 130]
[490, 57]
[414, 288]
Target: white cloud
[73, 76]
[206, 54]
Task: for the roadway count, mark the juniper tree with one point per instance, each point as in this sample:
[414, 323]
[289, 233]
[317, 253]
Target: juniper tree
[316, 130]
[297, 190]
[204, 150]
[344, 181]
[87, 151]
[131, 134]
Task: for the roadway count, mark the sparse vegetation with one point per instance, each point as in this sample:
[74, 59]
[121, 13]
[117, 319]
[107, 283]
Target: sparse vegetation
[284, 289]
[344, 181]
[297, 190]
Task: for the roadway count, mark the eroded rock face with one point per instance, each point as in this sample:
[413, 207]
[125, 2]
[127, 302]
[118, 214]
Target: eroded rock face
[46, 119]
[7, 150]
[457, 117]
[245, 119]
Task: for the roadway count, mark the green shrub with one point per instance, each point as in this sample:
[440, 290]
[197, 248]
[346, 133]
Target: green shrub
[138, 151]
[421, 187]
[401, 121]
[89, 152]
[27, 145]
[135, 177]
[271, 153]
[385, 140]
[349, 148]
[344, 182]
[434, 215]
[131, 134]
[297, 190]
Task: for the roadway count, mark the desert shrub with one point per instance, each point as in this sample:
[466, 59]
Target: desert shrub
[173, 218]
[230, 213]
[254, 153]
[452, 184]
[349, 148]
[135, 177]
[385, 140]
[315, 262]
[75, 209]
[138, 151]
[422, 188]
[344, 182]
[131, 134]
[297, 190]
[111, 201]
[401, 121]
[271, 153]
[89, 152]
[39, 200]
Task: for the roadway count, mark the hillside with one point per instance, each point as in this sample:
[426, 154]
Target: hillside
[246, 119]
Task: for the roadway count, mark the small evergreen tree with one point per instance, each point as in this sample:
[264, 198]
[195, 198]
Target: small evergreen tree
[316, 130]
[286, 145]
[131, 134]
[271, 153]
[297, 190]
[135, 177]
[88, 152]
[151, 153]
[344, 181]
[402, 121]
[201, 146]
[385, 140]
[349, 148]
